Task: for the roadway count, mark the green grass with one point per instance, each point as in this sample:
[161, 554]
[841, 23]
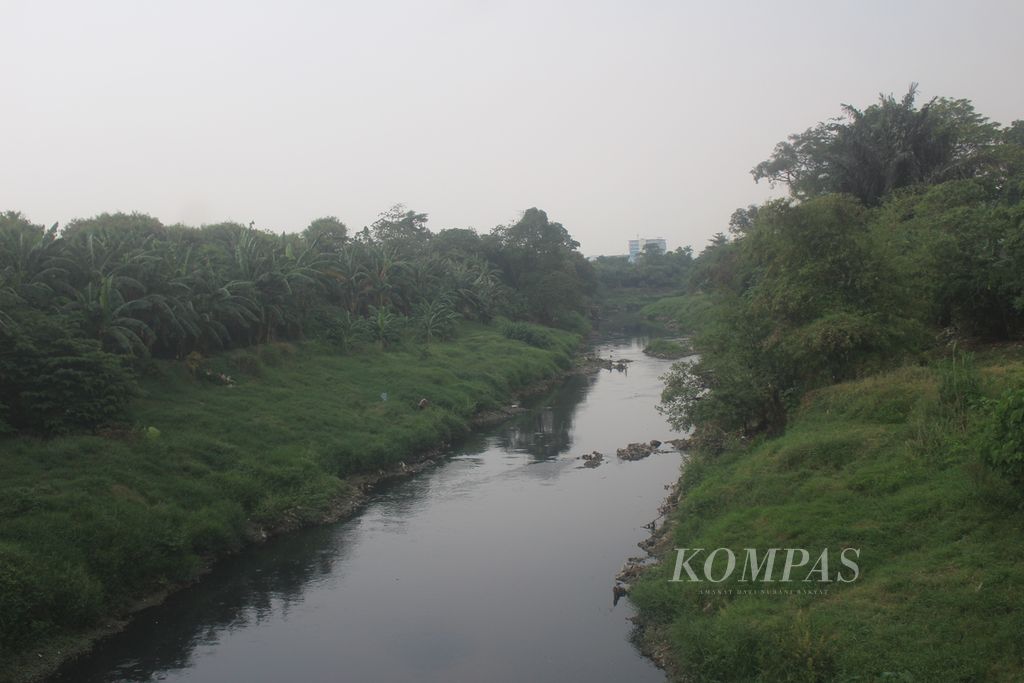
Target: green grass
[685, 313]
[621, 309]
[90, 524]
[667, 349]
[877, 464]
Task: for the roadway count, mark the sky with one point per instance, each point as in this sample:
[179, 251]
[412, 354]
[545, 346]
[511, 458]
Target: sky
[620, 119]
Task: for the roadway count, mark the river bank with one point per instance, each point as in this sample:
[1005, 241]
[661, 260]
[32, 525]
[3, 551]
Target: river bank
[878, 464]
[96, 528]
[509, 542]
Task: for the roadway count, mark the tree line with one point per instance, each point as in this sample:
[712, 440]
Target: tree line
[903, 232]
[82, 308]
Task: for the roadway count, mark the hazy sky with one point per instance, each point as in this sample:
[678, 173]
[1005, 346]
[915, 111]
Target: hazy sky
[617, 118]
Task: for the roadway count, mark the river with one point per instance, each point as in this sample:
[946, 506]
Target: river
[496, 565]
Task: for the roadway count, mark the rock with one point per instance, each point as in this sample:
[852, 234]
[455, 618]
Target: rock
[630, 571]
[592, 459]
[655, 443]
[635, 451]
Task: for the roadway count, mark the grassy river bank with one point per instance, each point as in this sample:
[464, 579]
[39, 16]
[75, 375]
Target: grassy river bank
[886, 464]
[94, 526]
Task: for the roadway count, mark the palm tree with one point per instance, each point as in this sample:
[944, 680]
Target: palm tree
[435, 319]
[382, 274]
[384, 326]
[32, 263]
[105, 315]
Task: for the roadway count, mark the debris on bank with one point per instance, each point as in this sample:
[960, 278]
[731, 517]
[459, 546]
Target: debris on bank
[652, 546]
[640, 450]
[620, 364]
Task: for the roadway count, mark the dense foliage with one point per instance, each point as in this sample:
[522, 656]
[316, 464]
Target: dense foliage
[905, 232]
[80, 305]
[889, 145]
[652, 269]
[1003, 437]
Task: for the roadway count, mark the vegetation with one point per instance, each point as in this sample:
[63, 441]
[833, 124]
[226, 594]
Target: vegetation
[686, 313]
[652, 270]
[93, 522]
[81, 308]
[833, 405]
[838, 285]
[876, 464]
[871, 153]
[167, 393]
[625, 288]
[668, 349]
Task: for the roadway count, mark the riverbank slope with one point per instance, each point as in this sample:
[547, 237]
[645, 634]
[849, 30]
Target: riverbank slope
[93, 524]
[888, 464]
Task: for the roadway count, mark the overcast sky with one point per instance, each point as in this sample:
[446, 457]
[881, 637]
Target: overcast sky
[617, 118]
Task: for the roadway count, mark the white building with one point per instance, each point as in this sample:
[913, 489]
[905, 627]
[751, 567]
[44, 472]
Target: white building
[636, 246]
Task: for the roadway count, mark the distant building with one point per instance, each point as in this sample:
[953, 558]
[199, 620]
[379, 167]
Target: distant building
[636, 246]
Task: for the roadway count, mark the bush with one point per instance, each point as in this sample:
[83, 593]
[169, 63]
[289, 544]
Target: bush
[667, 349]
[1002, 440]
[341, 331]
[54, 383]
[572, 321]
[534, 335]
[383, 326]
[37, 597]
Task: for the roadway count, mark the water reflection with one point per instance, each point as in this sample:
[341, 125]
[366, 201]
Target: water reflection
[546, 432]
[240, 592]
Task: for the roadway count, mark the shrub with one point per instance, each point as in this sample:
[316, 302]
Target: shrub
[38, 597]
[667, 349]
[341, 331]
[1002, 439]
[534, 335]
[54, 383]
[383, 326]
[573, 322]
[435, 320]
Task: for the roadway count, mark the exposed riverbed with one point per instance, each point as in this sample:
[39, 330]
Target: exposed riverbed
[496, 565]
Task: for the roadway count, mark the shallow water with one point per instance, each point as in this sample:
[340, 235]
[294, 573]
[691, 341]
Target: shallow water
[496, 565]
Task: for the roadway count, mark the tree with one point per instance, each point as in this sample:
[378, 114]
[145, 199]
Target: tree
[53, 381]
[401, 225]
[434, 320]
[742, 220]
[328, 233]
[889, 145]
[540, 260]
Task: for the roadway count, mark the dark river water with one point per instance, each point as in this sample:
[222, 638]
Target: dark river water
[496, 565]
